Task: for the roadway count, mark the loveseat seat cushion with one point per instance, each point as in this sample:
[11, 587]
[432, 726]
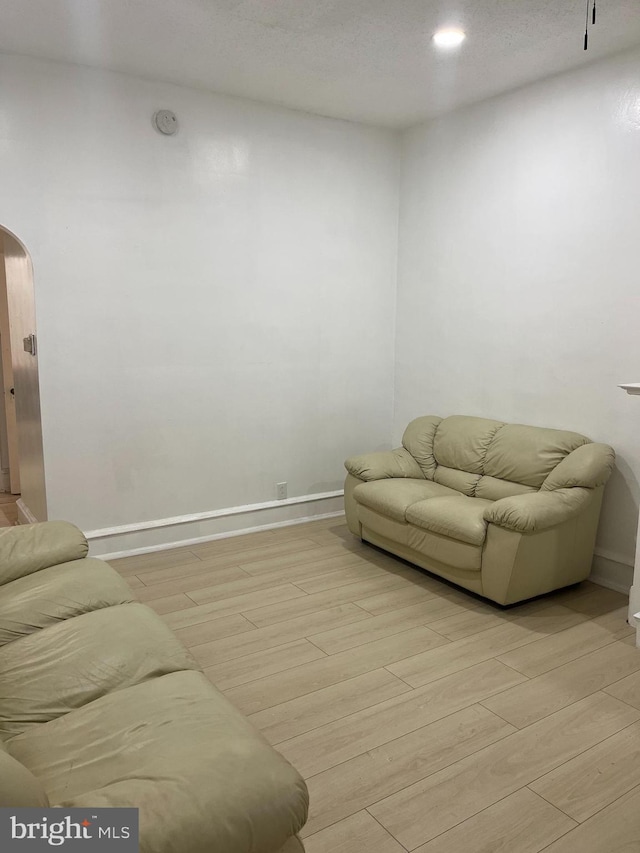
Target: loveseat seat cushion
[392, 498]
[443, 549]
[459, 518]
[204, 779]
[60, 592]
[50, 672]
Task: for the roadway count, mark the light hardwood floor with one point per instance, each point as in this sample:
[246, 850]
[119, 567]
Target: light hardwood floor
[8, 510]
[422, 718]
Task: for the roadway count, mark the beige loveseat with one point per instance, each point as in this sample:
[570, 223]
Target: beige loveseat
[505, 510]
[101, 706]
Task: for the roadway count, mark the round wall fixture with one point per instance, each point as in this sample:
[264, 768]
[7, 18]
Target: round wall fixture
[166, 122]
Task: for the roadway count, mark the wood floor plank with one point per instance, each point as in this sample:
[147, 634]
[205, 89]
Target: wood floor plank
[171, 604]
[496, 829]
[373, 628]
[218, 591]
[322, 555]
[217, 651]
[332, 534]
[244, 541]
[597, 601]
[312, 710]
[343, 577]
[260, 664]
[396, 599]
[359, 782]
[225, 560]
[358, 834]
[469, 622]
[527, 703]
[235, 604]
[362, 571]
[190, 583]
[615, 829]
[134, 582]
[299, 570]
[428, 808]
[627, 689]
[299, 681]
[553, 651]
[596, 778]
[461, 654]
[343, 739]
[216, 629]
[143, 563]
[270, 614]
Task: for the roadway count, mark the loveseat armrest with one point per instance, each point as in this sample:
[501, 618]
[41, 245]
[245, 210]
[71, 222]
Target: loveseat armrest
[588, 466]
[32, 547]
[537, 511]
[384, 465]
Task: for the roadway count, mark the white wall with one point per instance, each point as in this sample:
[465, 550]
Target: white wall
[519, 270]
[215, 309]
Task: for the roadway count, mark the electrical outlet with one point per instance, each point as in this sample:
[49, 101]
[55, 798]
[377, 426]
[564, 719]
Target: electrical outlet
[281, 491]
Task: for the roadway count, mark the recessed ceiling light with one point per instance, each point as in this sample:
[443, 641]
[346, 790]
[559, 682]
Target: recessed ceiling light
[448, 38]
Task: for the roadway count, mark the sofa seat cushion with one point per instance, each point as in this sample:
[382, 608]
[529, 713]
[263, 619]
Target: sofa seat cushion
[50, 672]
[459, 518]
[203, 778]
[393, 497]
[60, 592]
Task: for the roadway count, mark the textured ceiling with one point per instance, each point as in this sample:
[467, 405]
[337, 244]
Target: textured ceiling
[364, 60]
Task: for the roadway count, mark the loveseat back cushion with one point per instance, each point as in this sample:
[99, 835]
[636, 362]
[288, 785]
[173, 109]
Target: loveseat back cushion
[527, 455]
[460, 446]
[19, 788]
[418, 440]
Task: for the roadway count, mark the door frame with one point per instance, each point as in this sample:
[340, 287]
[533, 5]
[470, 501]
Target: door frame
[23, 413]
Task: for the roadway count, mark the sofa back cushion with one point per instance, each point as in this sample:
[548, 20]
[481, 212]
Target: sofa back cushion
[485, 458]
[19, 788]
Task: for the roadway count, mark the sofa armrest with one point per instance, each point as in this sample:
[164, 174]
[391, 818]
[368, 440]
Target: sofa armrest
[384, 465]
[537, 511]
[28, 549]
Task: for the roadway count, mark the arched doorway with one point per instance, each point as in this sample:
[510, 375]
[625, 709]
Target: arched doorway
[21, 453]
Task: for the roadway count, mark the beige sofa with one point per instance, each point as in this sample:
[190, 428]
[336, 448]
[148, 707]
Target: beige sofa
[505, 510]
[100, 706]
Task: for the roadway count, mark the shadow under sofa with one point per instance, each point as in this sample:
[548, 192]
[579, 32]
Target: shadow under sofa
[102, 706]
[506, 511]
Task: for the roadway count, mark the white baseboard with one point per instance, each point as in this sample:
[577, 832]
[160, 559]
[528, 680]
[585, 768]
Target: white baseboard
[25, 516]
[613, 570]
[165, 533]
